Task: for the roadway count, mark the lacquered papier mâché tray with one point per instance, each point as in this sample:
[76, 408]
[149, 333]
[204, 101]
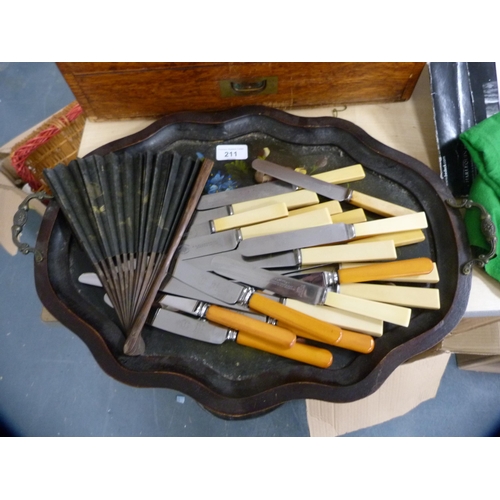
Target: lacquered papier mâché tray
[230, 380]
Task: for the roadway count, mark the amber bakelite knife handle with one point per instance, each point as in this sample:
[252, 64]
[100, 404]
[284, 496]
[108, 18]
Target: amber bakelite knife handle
[271, 334]
[324, 332]
[311, 355]
[352, 341]
[385, 270]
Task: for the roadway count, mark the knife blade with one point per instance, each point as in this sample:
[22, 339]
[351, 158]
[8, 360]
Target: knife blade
[230, 240]
[312, 294]
[205, 331]
[263, 214]
[333, 233]
[232, 293]
[273, 188]
[330, 191]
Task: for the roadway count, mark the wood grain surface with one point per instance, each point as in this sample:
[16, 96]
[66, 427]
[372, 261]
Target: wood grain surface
[110, 91]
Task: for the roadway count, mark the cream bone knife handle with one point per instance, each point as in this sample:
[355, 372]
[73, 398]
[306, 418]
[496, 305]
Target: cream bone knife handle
[263, 214]
[385, 270]
[401, 238]
[343, 319]
[293, 200]
[391, 225]
[309, 219]
[333, 207]
[350, 216]
[409, 296]
[386, 312]
[324, 332]
[380, 250]
[378, 206]
[271, 334]
[311, 355]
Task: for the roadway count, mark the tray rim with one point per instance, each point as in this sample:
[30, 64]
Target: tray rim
[253, 405]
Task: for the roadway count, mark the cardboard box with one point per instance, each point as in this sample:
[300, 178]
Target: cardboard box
[409, 385]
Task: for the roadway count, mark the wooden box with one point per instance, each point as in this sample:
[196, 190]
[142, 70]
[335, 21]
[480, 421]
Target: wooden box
[110, 91]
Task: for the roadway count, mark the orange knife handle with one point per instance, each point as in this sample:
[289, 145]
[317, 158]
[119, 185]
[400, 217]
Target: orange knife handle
[385, 270]
[272, 334]
[352, 341]
[304, 353]
[325, 332]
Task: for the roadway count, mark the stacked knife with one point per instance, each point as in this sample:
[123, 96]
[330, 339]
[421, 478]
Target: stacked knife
[271, 265]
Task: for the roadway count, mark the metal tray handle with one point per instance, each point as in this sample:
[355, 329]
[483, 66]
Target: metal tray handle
[487, 228]
[20, 219]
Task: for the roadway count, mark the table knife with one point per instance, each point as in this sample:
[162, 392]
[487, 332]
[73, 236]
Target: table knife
[310, 257]
[330, 191]
[285, 286]
[273, 188]
[231, 239]
[294, 200]
[328, 234]
[248, 218]
[205, 331]
[233, 293]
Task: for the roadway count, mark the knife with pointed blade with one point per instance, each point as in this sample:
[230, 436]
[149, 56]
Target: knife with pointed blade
[273, 188]
[205, 331]
[285, 286]
[232, 293]
[332, 233]
[330, 191]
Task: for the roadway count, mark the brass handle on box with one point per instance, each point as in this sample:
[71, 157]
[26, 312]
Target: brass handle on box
[20, 219]
[240, 87]
[487, 228]
[249, 87]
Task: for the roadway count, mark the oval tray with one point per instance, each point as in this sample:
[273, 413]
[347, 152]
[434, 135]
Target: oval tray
[233, 381]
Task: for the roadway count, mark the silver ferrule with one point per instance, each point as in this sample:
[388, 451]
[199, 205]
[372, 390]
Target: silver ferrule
[239, 236]
[348, 195]
[271, 321]
[324, 295]
[201, 309]
[230, 210]
[246, 293]
[331, 278]
[211, 223]
[298, 257]
[231, 335]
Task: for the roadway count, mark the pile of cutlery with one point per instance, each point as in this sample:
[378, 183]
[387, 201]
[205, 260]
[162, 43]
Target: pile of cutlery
[294, 266]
